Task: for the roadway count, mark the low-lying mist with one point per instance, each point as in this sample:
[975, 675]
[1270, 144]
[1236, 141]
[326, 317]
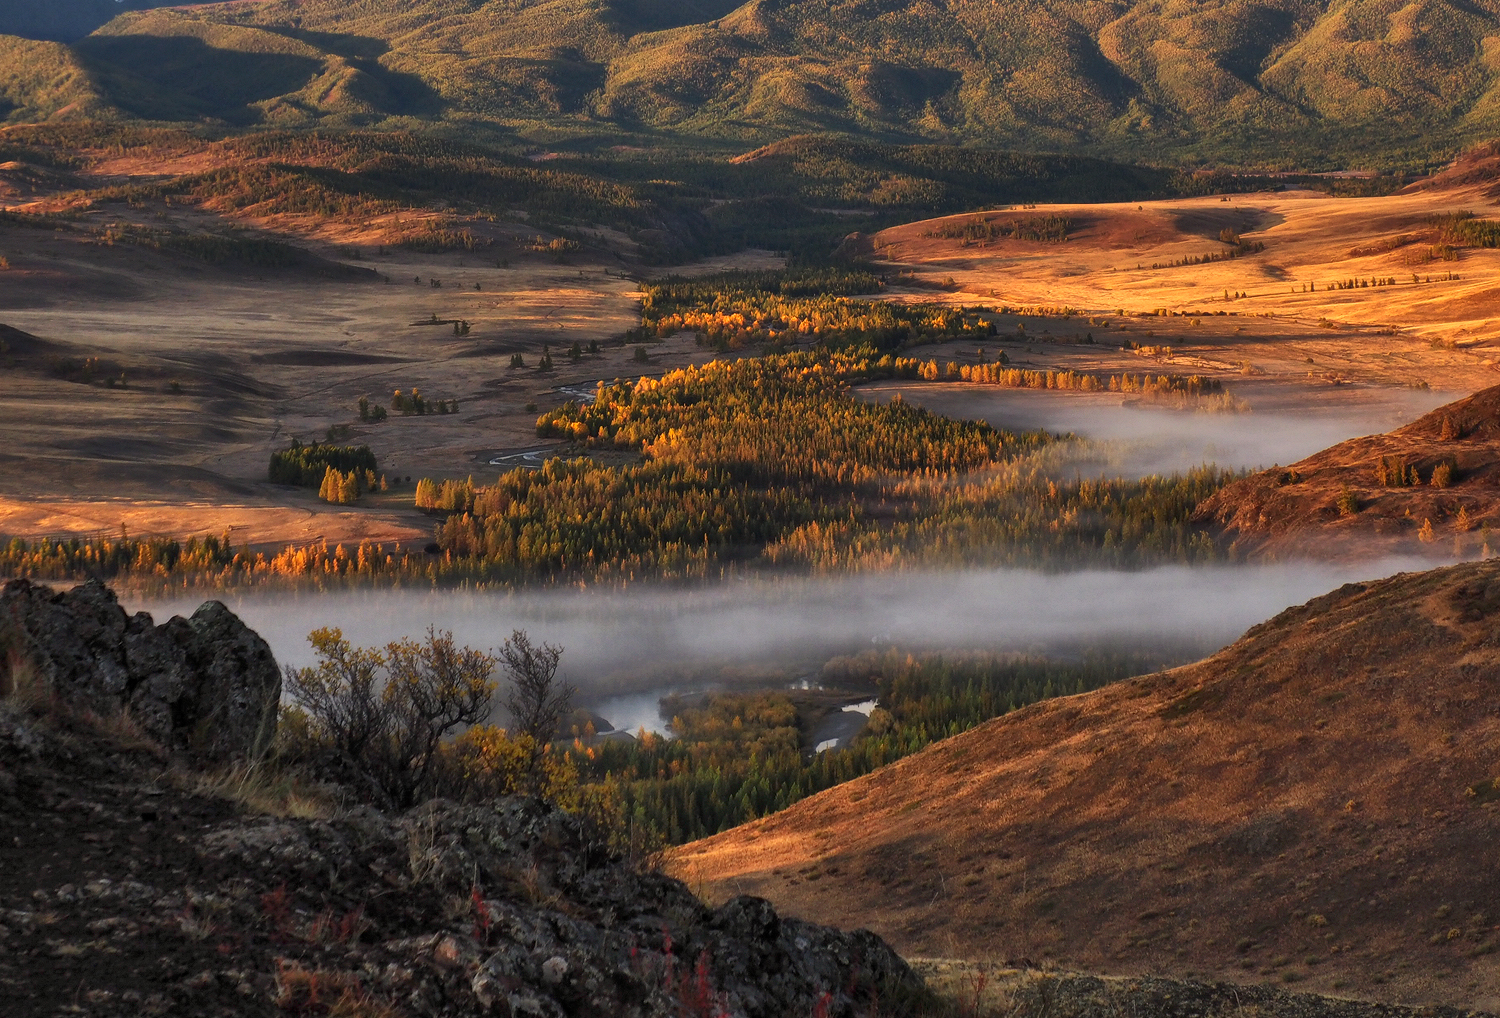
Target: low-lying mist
[653, 640]
[1140, 439]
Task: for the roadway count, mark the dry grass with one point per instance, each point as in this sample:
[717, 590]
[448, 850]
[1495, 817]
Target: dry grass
[422, 857]
[183, 447]
[263, 786]
[25, 689]
[1442, 333]
[1384, 494]
[318, 991]
[29, 516]
[21, 682]
[121, 730]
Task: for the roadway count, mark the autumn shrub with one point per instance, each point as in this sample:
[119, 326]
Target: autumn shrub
[317, 991]
[383, 714]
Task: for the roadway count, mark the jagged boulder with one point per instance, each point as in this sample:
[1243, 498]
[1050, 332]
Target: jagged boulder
[207, 684]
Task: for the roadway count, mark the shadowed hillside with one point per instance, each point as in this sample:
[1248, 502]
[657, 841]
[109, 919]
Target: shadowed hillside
[1429, 484]
[1314, 803]
[1292, 80]
[799, 195]
[43, 19]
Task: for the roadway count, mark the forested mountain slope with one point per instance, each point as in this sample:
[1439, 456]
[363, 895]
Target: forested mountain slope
[1293, 80]
[1315, 803]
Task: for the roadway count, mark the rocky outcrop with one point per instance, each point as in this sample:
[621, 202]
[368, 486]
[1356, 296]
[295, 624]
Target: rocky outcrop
[549, 923]
[122, 895]
[206, 684]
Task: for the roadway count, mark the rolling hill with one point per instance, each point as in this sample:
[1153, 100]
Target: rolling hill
[43, 19]
[42, 81]
[1376, 494]
[1280, 82]
[1313, 804]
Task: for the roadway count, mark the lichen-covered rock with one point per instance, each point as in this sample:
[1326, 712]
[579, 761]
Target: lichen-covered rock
[207, 684]
[552, 925]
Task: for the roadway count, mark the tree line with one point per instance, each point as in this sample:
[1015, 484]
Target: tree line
[737, 317]
[839, 483]
[982, 230]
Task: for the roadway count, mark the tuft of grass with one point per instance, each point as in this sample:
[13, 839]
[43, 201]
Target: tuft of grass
[24, 688]
[261, 786]
[21, 682]
[123, 731]
[318, 991]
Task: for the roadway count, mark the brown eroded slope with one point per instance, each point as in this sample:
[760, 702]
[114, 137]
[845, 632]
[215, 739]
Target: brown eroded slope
[1312, 803]
[1377, 495]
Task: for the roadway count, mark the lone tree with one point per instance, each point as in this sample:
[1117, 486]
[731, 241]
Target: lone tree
[537, 700]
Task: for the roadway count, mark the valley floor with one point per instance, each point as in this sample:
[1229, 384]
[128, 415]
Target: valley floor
[162, 385]
[179, 379]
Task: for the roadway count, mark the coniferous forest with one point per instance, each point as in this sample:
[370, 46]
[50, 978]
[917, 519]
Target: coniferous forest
[733, 757]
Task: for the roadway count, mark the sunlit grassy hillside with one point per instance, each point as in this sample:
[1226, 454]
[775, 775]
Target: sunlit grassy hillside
[43, 80]
[1293, 81]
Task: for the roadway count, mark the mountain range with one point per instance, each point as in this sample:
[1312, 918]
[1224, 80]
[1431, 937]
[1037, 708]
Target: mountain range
[1273, 83]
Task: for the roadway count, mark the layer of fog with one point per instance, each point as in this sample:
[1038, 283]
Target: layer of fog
[1135, 439]
[624, 649]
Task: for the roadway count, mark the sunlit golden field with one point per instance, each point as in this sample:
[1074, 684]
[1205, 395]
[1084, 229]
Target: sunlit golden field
[1280, 316]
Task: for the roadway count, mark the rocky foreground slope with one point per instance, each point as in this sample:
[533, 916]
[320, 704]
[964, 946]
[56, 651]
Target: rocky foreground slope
[1314, 805]
[1430, 487]
[131, 885]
